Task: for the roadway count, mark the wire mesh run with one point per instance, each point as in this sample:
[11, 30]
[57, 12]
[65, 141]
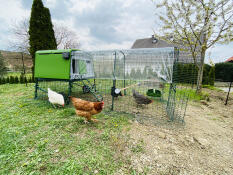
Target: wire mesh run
[154, 74]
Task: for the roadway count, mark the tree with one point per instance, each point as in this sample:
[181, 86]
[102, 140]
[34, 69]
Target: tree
[2, 66]
[212, 76]
[133, 73]
[41, 33]
[197, 25]
[65, 37]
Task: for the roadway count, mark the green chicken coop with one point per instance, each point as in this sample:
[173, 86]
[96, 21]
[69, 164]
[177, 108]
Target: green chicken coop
[64, 66]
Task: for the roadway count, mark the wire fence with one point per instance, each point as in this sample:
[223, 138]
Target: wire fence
[154, 74]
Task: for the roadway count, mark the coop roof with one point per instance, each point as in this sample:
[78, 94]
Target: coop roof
[56, 51]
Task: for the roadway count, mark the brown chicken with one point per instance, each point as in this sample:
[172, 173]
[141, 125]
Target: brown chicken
[87, 109]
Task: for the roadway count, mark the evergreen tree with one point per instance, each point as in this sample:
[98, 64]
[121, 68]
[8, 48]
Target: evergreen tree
[7, 80]
[144, 74]
[41, 33]
[16, 79]
[138, 74]
[150, 73]
[25, 80]
[21, 79]
[3, 80]
[2, 66]
[133, 73]
[212, 76]
[11, 80]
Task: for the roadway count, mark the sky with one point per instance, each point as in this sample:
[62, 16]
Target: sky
[99, 24]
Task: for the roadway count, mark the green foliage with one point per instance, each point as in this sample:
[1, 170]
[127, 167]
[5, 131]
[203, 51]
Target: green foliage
[8, 80]
[133, 73]
[16, 79]
[206, 70]
[3, 68]
[138, 74]
[144, 73]
[212, 76]
[3, 80]
[25, 80]
[21, 79]
[224, 71]
[187, 73]
[11, 80]
[150, 72]
[41, 33]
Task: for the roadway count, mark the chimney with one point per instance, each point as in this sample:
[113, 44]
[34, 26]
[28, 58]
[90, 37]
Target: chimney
[154, 40]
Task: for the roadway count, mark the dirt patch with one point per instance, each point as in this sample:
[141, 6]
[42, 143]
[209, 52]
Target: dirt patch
[204, 145]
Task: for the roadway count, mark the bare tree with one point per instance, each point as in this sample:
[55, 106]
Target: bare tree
[197, 25]
[65, 37]
[20, 32]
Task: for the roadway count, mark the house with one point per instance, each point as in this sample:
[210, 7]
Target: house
[150, 43]
[230, 60]
[153, 42]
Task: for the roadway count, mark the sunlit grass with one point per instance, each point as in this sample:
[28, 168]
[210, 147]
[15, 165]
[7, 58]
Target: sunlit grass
[35, 138]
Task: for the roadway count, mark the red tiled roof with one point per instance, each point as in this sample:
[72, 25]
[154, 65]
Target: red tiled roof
[230, 59]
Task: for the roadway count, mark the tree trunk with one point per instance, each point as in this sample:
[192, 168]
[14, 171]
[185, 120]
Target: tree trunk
[200, 72]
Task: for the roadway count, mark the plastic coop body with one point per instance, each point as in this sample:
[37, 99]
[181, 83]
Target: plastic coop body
[63, 64]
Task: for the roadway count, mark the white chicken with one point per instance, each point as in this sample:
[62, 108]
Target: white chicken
[55, 98]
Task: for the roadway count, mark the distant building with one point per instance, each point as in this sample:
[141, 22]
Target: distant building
[230, 60]
[150, 43]
[153, 42]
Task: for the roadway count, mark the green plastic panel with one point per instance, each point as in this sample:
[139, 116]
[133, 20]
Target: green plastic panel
[51, 64]
[82, 67]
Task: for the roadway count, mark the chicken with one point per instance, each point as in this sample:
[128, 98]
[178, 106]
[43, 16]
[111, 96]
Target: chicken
[55, 98]
[87, 109]
[141, 99]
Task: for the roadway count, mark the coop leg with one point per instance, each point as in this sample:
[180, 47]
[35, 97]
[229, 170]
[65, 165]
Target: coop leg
[36, 88]
[69, 92]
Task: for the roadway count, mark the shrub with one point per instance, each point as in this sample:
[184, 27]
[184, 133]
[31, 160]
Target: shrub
[224, 71]
[7, 80]
[3, 80]
[205, 78]
[21, 79]
[16, 79]
[25, 79]
[12, 80]
[212, 76]
[30, 80]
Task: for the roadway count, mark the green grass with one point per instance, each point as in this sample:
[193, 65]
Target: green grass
[212, 88]
[38, 139]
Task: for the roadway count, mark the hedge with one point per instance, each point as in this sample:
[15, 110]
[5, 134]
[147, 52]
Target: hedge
[188, 73]
[224, 72]
[16, 80]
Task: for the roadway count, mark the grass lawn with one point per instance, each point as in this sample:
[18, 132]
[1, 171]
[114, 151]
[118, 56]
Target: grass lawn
[38, 139]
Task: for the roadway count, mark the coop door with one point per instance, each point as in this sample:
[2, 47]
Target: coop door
[82, 66]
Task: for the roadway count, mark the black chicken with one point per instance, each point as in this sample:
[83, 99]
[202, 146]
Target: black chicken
[141, 99]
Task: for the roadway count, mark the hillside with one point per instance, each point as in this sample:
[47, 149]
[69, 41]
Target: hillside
[13, 60]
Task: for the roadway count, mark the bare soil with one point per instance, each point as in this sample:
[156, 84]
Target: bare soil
[203, 145]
